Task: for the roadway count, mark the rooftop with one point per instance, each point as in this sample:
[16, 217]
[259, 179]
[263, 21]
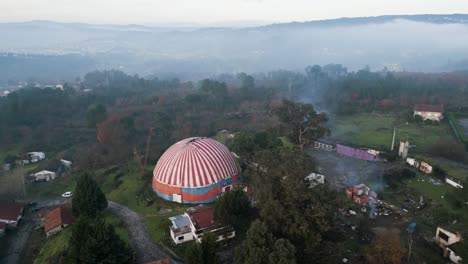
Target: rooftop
[10, 210]
[202, 217]
[179, 221]
[59, 216]
[429, 108]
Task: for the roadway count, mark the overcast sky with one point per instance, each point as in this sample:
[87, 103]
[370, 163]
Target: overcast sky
[215, 11]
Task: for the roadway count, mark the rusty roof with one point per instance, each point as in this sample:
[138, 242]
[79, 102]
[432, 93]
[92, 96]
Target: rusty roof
[202, 217]
[59, 216]
[10, 210]
[429, 108]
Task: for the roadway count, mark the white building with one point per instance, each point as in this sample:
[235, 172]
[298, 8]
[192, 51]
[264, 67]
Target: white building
[454, 183]
[431, 112]
[403, 150]
[196, 222]
[36, 156]
[445, 239]
[44, 175]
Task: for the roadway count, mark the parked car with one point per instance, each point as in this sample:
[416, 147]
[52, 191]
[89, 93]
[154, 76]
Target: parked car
[67, 194]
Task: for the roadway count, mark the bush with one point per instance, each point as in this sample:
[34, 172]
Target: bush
[449, 150]
[439, 173]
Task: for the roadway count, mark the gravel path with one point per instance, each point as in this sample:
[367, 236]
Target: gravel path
[145, 248]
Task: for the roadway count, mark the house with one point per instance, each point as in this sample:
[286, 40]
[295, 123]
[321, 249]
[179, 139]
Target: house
[196, 222]
[324, 145]
[40, 217]
[431, 112]
[445, 239]
[404, 148]
[454, 183]
[315, 179]
[36, 156]
[11, 213]
[44, 175]
[202, 221]
[180, 229]
[58, 219]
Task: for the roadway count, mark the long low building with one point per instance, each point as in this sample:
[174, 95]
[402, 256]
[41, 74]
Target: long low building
[11, 213]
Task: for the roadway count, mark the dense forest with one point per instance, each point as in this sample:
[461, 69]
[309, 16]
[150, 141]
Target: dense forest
[111, 110]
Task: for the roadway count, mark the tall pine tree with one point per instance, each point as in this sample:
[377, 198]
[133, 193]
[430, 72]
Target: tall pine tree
[88, 199]
[94, 241]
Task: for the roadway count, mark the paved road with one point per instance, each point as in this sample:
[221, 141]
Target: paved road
[145, 248]
[19, 241]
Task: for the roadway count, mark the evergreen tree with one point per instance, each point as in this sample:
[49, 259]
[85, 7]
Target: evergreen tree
[204, 252]
[261, 247]
[88, 198]
[233, 208]
[94, 241]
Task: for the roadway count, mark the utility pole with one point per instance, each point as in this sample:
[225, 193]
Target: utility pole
[393, 140]
[22, 178]
[410, 246]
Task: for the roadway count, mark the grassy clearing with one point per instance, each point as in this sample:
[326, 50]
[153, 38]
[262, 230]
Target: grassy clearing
[424, 186]
[53, 189]
[54, 246]
[452, 169]
[128, 188]
[373, 130]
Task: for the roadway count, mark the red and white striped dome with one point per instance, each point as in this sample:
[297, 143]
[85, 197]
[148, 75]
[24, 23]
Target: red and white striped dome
[195, 163]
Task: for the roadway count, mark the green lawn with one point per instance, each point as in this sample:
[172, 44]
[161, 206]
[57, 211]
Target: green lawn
[424, 186]
[373, 130]
[54, 246]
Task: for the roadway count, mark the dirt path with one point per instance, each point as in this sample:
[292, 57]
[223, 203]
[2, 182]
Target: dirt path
[145, 248]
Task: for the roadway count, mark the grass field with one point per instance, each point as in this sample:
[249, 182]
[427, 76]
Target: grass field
[373, 130]
[130, 185]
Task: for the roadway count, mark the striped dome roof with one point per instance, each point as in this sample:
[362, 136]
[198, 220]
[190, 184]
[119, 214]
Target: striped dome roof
[195, 162]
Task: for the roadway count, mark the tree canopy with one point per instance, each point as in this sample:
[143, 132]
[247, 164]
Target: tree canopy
[304, 122]
[233, 208]
[94, 241]
[288, 207]
[204, 252]
[261, 247]
[88, 198]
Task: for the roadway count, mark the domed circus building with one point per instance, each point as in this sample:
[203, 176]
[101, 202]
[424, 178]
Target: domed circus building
[194, 171]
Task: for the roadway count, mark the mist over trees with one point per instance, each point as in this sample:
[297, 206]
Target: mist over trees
[432, 43]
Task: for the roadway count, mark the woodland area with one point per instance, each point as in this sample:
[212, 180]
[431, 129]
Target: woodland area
[106, 119]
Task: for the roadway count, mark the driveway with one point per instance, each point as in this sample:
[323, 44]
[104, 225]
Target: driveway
[145, 248]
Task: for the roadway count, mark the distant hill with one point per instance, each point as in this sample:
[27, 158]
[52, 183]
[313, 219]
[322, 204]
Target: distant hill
[412, 43]
[347, 21]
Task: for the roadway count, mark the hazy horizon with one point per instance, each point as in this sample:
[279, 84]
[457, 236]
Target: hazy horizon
[214, 12]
